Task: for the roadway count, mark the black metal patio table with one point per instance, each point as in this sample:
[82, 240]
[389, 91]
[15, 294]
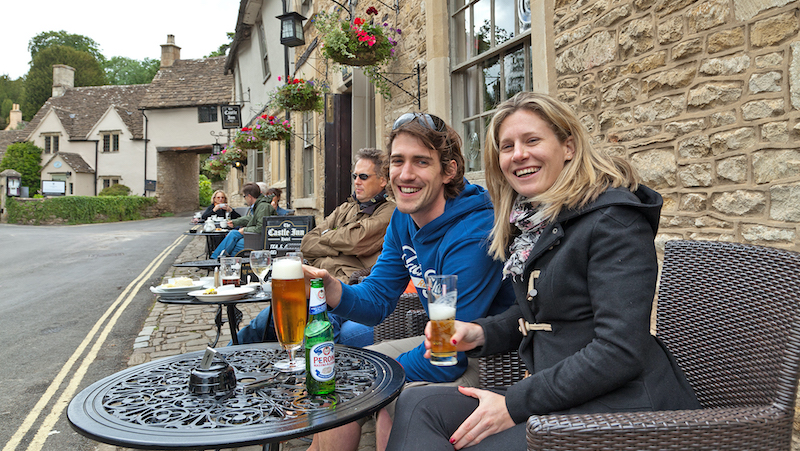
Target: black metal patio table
[149, 406]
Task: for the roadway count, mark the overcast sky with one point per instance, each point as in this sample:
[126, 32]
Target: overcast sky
[131, 29]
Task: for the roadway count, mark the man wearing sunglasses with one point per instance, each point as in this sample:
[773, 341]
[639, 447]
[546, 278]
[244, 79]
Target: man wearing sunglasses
[349, 239]
[440, 226]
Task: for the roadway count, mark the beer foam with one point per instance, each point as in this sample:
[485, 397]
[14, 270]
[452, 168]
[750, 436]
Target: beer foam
[287, 269]
[439, 312]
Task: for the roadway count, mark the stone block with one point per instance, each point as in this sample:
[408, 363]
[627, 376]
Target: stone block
[680, 222]
[609, 119]
[769, 82]
[645, 131]
[687, 48]
[695, 175]
[773, 30]
[646, 64]
[596, 9]
[760, 109]
[776, 132]
[678, 77]
[722, 118]
[681, 128]
[769, 60]
[722, 237]
[671, 201]
[794, 75]
[775, 164]
[642, 5]
[758, 233]
[613, 16]
[732, 169]
[588, 122]
[588, 104]
[747, 9]
[725, 66]
[624, 91]
[567, 22]
[660, 109]
[694, 147]
[707, 14]
[670, 30]
[709, 222]
[608, 74]
[694, 202]
[729, 140]
[666, 7]
[785, 200]
[740, 202]
[715, 94]
[636, 37]
[568, 82]
[598, 50]
[726, 39]
[658, 168]
[571, 36]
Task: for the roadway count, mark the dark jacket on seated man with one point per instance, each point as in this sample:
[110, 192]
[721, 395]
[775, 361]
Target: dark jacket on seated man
[252, 222]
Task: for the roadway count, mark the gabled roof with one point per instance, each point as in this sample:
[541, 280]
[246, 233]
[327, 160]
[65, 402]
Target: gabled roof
[79, 109]
[189, 83]
[8, 137]
[74, 161]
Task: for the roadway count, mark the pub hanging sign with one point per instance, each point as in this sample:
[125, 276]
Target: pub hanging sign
[231, 116]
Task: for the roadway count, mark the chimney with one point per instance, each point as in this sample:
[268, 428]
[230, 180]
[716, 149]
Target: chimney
[63, 79]
[170, 52]
[14, 117]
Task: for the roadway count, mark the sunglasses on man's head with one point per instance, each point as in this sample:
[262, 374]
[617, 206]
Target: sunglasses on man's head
[433, 122]
[361, 176]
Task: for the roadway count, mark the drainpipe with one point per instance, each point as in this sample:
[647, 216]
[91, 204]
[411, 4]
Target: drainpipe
[146, 123]
[96, 162]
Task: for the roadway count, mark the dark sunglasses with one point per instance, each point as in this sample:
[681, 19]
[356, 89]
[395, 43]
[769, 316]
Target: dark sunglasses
[361, 176]
[433, 122]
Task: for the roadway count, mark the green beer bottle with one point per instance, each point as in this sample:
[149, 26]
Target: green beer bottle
[320, 374]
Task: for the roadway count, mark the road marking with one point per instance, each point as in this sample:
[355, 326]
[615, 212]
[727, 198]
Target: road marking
[130, 291]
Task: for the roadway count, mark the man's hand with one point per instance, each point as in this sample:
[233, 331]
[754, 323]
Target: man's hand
[468, 336]
[333, 287]
[489, 418]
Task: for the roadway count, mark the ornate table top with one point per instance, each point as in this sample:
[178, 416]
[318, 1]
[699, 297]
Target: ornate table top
[150, 407]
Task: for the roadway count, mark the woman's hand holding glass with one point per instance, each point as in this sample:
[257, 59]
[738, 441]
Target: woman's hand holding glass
[468, 336]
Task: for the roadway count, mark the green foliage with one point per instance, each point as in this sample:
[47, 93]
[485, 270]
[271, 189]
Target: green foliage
[117, 189]
[39, 81]
[78, 209]
[11, 92]
[270, 128]
[223, 49]
[53, 38]
[126, 71]
[214, 169]
[298, 95]
[26, 159]
[205, 191]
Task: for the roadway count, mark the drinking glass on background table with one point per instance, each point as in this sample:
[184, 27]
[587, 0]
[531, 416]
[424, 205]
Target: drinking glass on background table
[442, 296]
[259, 263]
[230, 270]
[289, 308]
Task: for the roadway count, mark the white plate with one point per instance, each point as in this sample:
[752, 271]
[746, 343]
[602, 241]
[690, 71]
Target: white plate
[224, 294]
[163, 289]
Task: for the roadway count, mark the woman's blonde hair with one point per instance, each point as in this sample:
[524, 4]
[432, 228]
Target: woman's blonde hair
[586, 176]
[215, 195]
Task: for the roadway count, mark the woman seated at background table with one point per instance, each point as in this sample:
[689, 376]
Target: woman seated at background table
[219, 206]
[577, 233]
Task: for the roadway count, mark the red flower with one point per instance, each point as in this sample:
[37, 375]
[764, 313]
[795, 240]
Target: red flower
[358, 21]
[272, 118]
[246, 129]
[296, 81]
[372, 11]
[263, 116]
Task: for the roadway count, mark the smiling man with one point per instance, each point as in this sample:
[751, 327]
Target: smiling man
[440, 226]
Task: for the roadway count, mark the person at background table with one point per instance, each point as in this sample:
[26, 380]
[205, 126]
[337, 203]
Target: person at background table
[259, 207]
[440, 226]
[347, 240]
[576, 231]
[219, 206]
[277, 193]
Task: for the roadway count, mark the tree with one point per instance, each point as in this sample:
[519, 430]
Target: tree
[126, 71]
[10, 93]
[223, 49]
[39, 81]
[5, 110]
[53, 38]
[26, 159]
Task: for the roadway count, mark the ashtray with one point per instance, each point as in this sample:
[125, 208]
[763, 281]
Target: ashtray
[215, 378]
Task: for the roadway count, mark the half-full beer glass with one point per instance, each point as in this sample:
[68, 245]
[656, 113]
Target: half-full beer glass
[442, 296]
[289, 308]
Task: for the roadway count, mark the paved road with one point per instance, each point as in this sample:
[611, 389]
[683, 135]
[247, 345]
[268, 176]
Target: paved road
[72, 300]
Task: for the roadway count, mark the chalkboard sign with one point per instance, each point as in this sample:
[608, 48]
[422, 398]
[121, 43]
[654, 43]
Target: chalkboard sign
[284, 234]
[231, 116]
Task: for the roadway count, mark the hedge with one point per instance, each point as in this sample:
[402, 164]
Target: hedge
[78, 209]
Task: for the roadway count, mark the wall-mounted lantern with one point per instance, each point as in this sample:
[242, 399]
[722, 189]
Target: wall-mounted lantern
[292, 29]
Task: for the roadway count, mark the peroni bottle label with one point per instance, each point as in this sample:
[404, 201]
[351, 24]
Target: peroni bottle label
[322, 361]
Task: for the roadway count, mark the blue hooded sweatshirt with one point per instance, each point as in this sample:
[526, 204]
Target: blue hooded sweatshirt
[454, 243]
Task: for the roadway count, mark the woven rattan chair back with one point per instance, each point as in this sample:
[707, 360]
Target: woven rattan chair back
[729, 313]
[395, 325]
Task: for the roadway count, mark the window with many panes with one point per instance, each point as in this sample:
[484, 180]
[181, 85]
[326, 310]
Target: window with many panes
[308, 154]
[109, 181]
[262, 40]
[51, 143]
[491, 54]
[111, 142]
[207, 113]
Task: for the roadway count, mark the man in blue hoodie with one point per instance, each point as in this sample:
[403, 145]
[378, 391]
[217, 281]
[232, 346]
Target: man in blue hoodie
[440, 226]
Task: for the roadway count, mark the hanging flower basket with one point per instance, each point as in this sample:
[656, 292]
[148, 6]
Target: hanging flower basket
[298, 95]
[245, 139]
[231, 155]
[268, 128]
[369, 56]
[215, 166]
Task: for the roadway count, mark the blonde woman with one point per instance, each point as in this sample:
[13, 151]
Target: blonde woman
[576, 232]
[219, 206]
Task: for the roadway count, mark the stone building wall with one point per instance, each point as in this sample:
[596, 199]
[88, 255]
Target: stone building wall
[703, 98]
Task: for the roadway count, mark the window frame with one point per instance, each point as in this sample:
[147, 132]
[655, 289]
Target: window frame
[51, 143]
[110, 141]
[262, 43]
[207, 114]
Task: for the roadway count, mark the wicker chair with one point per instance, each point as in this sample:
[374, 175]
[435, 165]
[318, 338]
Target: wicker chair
[730, 314]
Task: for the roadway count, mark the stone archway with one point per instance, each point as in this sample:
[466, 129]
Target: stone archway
[178, 178]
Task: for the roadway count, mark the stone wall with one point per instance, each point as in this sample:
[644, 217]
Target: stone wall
[703, 98]
[178, 179]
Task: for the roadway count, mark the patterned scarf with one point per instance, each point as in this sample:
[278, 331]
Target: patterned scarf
[530, 221]
[370, 205]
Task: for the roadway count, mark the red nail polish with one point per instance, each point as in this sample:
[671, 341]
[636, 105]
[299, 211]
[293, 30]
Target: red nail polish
[452, 441]
[454, 341]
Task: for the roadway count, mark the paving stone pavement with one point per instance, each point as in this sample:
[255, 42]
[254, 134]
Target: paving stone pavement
[172, 329]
